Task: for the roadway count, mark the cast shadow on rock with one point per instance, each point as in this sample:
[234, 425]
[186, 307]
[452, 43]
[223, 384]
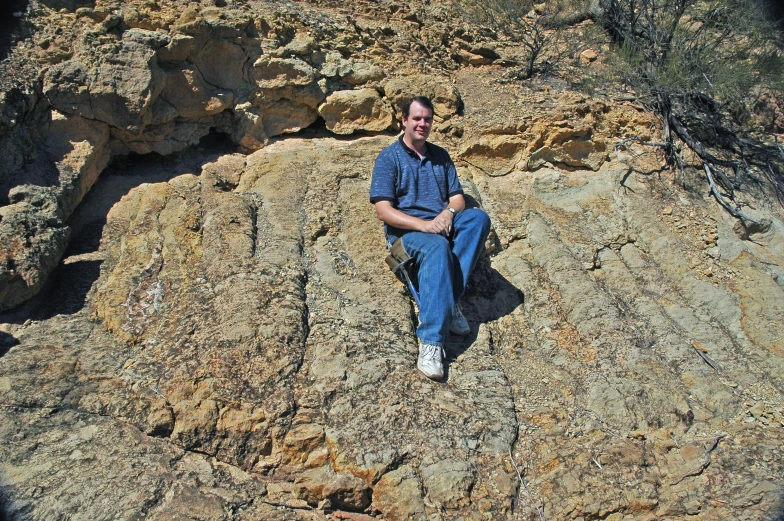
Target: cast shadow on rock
[7, 341]
[67, 289]
[489, 297]
[11, 24]
[3, 516]
[778, 511]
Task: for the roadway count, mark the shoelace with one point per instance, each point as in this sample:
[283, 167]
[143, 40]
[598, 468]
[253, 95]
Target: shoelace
[430, 351]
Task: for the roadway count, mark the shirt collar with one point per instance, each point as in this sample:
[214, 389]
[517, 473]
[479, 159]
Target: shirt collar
[410, 151]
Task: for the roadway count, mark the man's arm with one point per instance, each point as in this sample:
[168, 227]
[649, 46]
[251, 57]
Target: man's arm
[442, 224]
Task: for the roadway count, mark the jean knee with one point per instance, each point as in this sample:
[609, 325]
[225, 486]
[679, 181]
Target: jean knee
[438, 245]
[477, 219]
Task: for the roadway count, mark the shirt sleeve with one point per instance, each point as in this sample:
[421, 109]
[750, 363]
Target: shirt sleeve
[453, 183]
[382, 184]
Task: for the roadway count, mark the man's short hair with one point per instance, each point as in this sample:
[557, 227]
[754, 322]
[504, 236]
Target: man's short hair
[422, 100]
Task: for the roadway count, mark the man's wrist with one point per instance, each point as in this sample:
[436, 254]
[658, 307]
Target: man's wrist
[451, 210]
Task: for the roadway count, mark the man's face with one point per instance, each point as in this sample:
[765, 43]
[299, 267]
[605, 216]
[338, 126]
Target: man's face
[418, 124]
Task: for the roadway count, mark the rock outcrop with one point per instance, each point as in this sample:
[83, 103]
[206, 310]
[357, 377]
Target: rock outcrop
[220, 338]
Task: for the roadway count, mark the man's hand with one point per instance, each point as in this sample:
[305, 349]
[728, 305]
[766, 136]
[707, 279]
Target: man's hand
[441, 225]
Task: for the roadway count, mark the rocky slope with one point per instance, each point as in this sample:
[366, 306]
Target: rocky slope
[203, 327]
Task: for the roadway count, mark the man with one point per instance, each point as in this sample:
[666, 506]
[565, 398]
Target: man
[418, 196]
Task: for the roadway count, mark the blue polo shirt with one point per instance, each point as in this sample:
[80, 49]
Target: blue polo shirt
[417, 187]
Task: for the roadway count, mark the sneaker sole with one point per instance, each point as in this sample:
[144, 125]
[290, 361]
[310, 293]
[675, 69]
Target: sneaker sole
[431, 377]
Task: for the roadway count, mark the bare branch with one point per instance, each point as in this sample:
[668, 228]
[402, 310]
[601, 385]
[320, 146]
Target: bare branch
[735, 212]
[705, 462]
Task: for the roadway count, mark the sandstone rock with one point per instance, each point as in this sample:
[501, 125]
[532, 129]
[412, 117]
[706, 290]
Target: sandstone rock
[572, 146]
[448, 483]
[285, 116]
[33, 228]
[222, 64]
[118, 89]
[301, 45]
[331, 64]
[347, 491]
[177, 50]
[191, 96]
[588, 56]
[348, 111]
[301, 440]
[572, 153]
[222, 330]
[495, 154]
[362, 72]
[271, 73]
[34, 239]
[398, 496]
[166, 138]
[247, 128]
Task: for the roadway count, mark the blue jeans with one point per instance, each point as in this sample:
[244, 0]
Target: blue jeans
[444, 265]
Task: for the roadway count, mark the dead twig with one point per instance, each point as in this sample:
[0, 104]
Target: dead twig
[705, 462]
[157, 391]
[525, 486]
[701, 350]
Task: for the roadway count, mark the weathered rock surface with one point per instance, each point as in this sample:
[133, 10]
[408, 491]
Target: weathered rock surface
[345, 112]
[222, 339]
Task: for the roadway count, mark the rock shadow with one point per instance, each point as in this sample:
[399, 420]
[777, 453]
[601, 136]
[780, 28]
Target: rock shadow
[778, 511]
[489, 297]
[7, 341]
[67, 289]
[3, 516]
[11, 24]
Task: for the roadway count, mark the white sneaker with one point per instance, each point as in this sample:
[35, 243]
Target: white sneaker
[459, 324]
[430, 361]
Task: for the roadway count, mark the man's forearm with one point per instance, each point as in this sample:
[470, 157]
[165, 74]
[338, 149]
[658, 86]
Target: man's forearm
[441, 224]
[394, 217]
[457, 202]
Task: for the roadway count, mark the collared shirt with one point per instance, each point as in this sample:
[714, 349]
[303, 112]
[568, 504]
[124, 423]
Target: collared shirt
[420, 187]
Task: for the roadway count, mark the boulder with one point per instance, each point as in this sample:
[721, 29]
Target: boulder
[222, 64]
[285, 116]
[398, 496]
[32, 241]
[191, 96]
[166, 138]
[247, 127]
[271, 73]
[588, 56]
[363, 72]
[177, 49]
[350, 110]
[32, 228]
[118, 86]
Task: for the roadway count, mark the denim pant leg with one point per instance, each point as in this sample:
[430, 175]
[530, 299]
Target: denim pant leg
[433, 255]
[471, 227]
